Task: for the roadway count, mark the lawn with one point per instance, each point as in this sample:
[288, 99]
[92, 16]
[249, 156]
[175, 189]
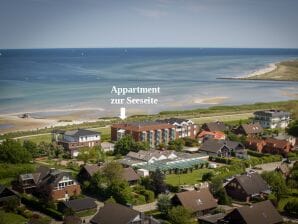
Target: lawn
[186, 178]
[11, 218]
[39, 138]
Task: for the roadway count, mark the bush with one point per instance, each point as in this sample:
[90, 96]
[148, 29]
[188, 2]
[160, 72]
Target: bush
[14, 170]
[292, 207]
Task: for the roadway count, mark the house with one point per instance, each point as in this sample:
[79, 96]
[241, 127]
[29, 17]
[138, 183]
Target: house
[288, 138]
[247, 186]
[107, 146]
[56, 184]
[76, 139]
[255, 144]
[214, 126]
[198, 202]
[7, 194]
[79, 205]
[275, 146]
[130, 175]
[205, 135]
[249, 129]
[87, 171]
[272, 118]
[211, 219]
[113, 213]
[184, 127]
[224, 148]
[257, 213]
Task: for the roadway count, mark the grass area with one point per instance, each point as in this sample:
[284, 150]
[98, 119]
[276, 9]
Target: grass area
[11, 218]
[6, 181]
[39, 138]
[286, 70]
[186, 178]
[86, 213]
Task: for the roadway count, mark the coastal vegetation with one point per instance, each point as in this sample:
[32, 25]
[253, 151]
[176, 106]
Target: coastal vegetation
[285, 71]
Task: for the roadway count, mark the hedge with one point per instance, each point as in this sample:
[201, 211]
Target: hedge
[33, 203]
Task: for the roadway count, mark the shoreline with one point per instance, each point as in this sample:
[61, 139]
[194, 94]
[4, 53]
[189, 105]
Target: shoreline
[279, 71]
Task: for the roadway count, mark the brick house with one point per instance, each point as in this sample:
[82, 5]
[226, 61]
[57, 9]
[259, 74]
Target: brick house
[249, 129]
[55, 184]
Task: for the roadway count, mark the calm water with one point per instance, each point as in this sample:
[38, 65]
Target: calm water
[62, 80]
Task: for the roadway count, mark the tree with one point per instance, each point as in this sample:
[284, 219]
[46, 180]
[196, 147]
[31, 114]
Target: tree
[176, 145]
[276, 182]
[223, 197]
[216, 184]
[124, 145]
[158, 184]
[12, 151]
[207, 176]
[31, 147]
[164, 204]
[293, 128]
[113, 172]
[189, 142]
[11, 204]
[179, 215]
[120, 191]
[84, 154]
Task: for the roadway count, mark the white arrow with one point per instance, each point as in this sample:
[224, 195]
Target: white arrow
[122, 113]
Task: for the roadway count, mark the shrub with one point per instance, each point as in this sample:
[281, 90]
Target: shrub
[292, 207]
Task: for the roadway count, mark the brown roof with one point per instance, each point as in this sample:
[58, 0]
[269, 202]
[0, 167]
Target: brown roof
[258, 213]
[252, 128]
[277, 143]
[113, 213]
[142, 126]
[129, 174]
[197, 200]
[215, 126]
[252, 183]
[92, 169]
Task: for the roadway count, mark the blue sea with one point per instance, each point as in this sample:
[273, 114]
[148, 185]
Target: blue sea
[53, 81]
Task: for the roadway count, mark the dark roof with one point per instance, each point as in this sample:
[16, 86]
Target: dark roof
[197, 200]
[212, 218]
[258, 213]
[113, 213]
[215, 126]
[81, 204]
[255, 128]
[6, 193]
[252, 183]
[92, 169]
[81, 132]
[213, 145]
[129, 174]
[272, 113]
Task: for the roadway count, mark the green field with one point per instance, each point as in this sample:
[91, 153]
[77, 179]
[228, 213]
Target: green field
[186, 178]
[11, 218]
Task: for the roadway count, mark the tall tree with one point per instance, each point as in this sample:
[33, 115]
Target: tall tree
[179, 215]
[158, 182]
[113, 172]
[12, 151]
[164, 204]
[276, 182]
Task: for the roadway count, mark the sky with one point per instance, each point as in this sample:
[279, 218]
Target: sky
[148, 23]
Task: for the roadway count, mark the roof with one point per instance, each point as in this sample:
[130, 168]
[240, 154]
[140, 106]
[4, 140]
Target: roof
[212, 218]
[175, 120]
[81, 132]
[260, 213]
[129, 174]
[215, 134]
[81, 204]
[113, 213]
[92, 169]
[254, 128]
[147, 155]
[197, 200]
[213, 145]
[272, 113]
[215, 126]
[252, 183]
[143, 126]
[277, 143]
[72, 220]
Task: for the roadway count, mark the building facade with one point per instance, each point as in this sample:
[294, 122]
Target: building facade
[154, 133]
[76, 139]
[272, 118]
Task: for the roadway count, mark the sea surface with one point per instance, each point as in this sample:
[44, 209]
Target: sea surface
[58, 81]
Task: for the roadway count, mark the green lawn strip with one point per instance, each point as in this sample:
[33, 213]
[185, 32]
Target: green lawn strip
[86, 213]
[186, 178]
[39, 138]
[11, 218]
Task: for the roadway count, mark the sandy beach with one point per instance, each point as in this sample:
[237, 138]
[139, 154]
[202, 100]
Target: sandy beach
[210, 100]
[271, 67]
